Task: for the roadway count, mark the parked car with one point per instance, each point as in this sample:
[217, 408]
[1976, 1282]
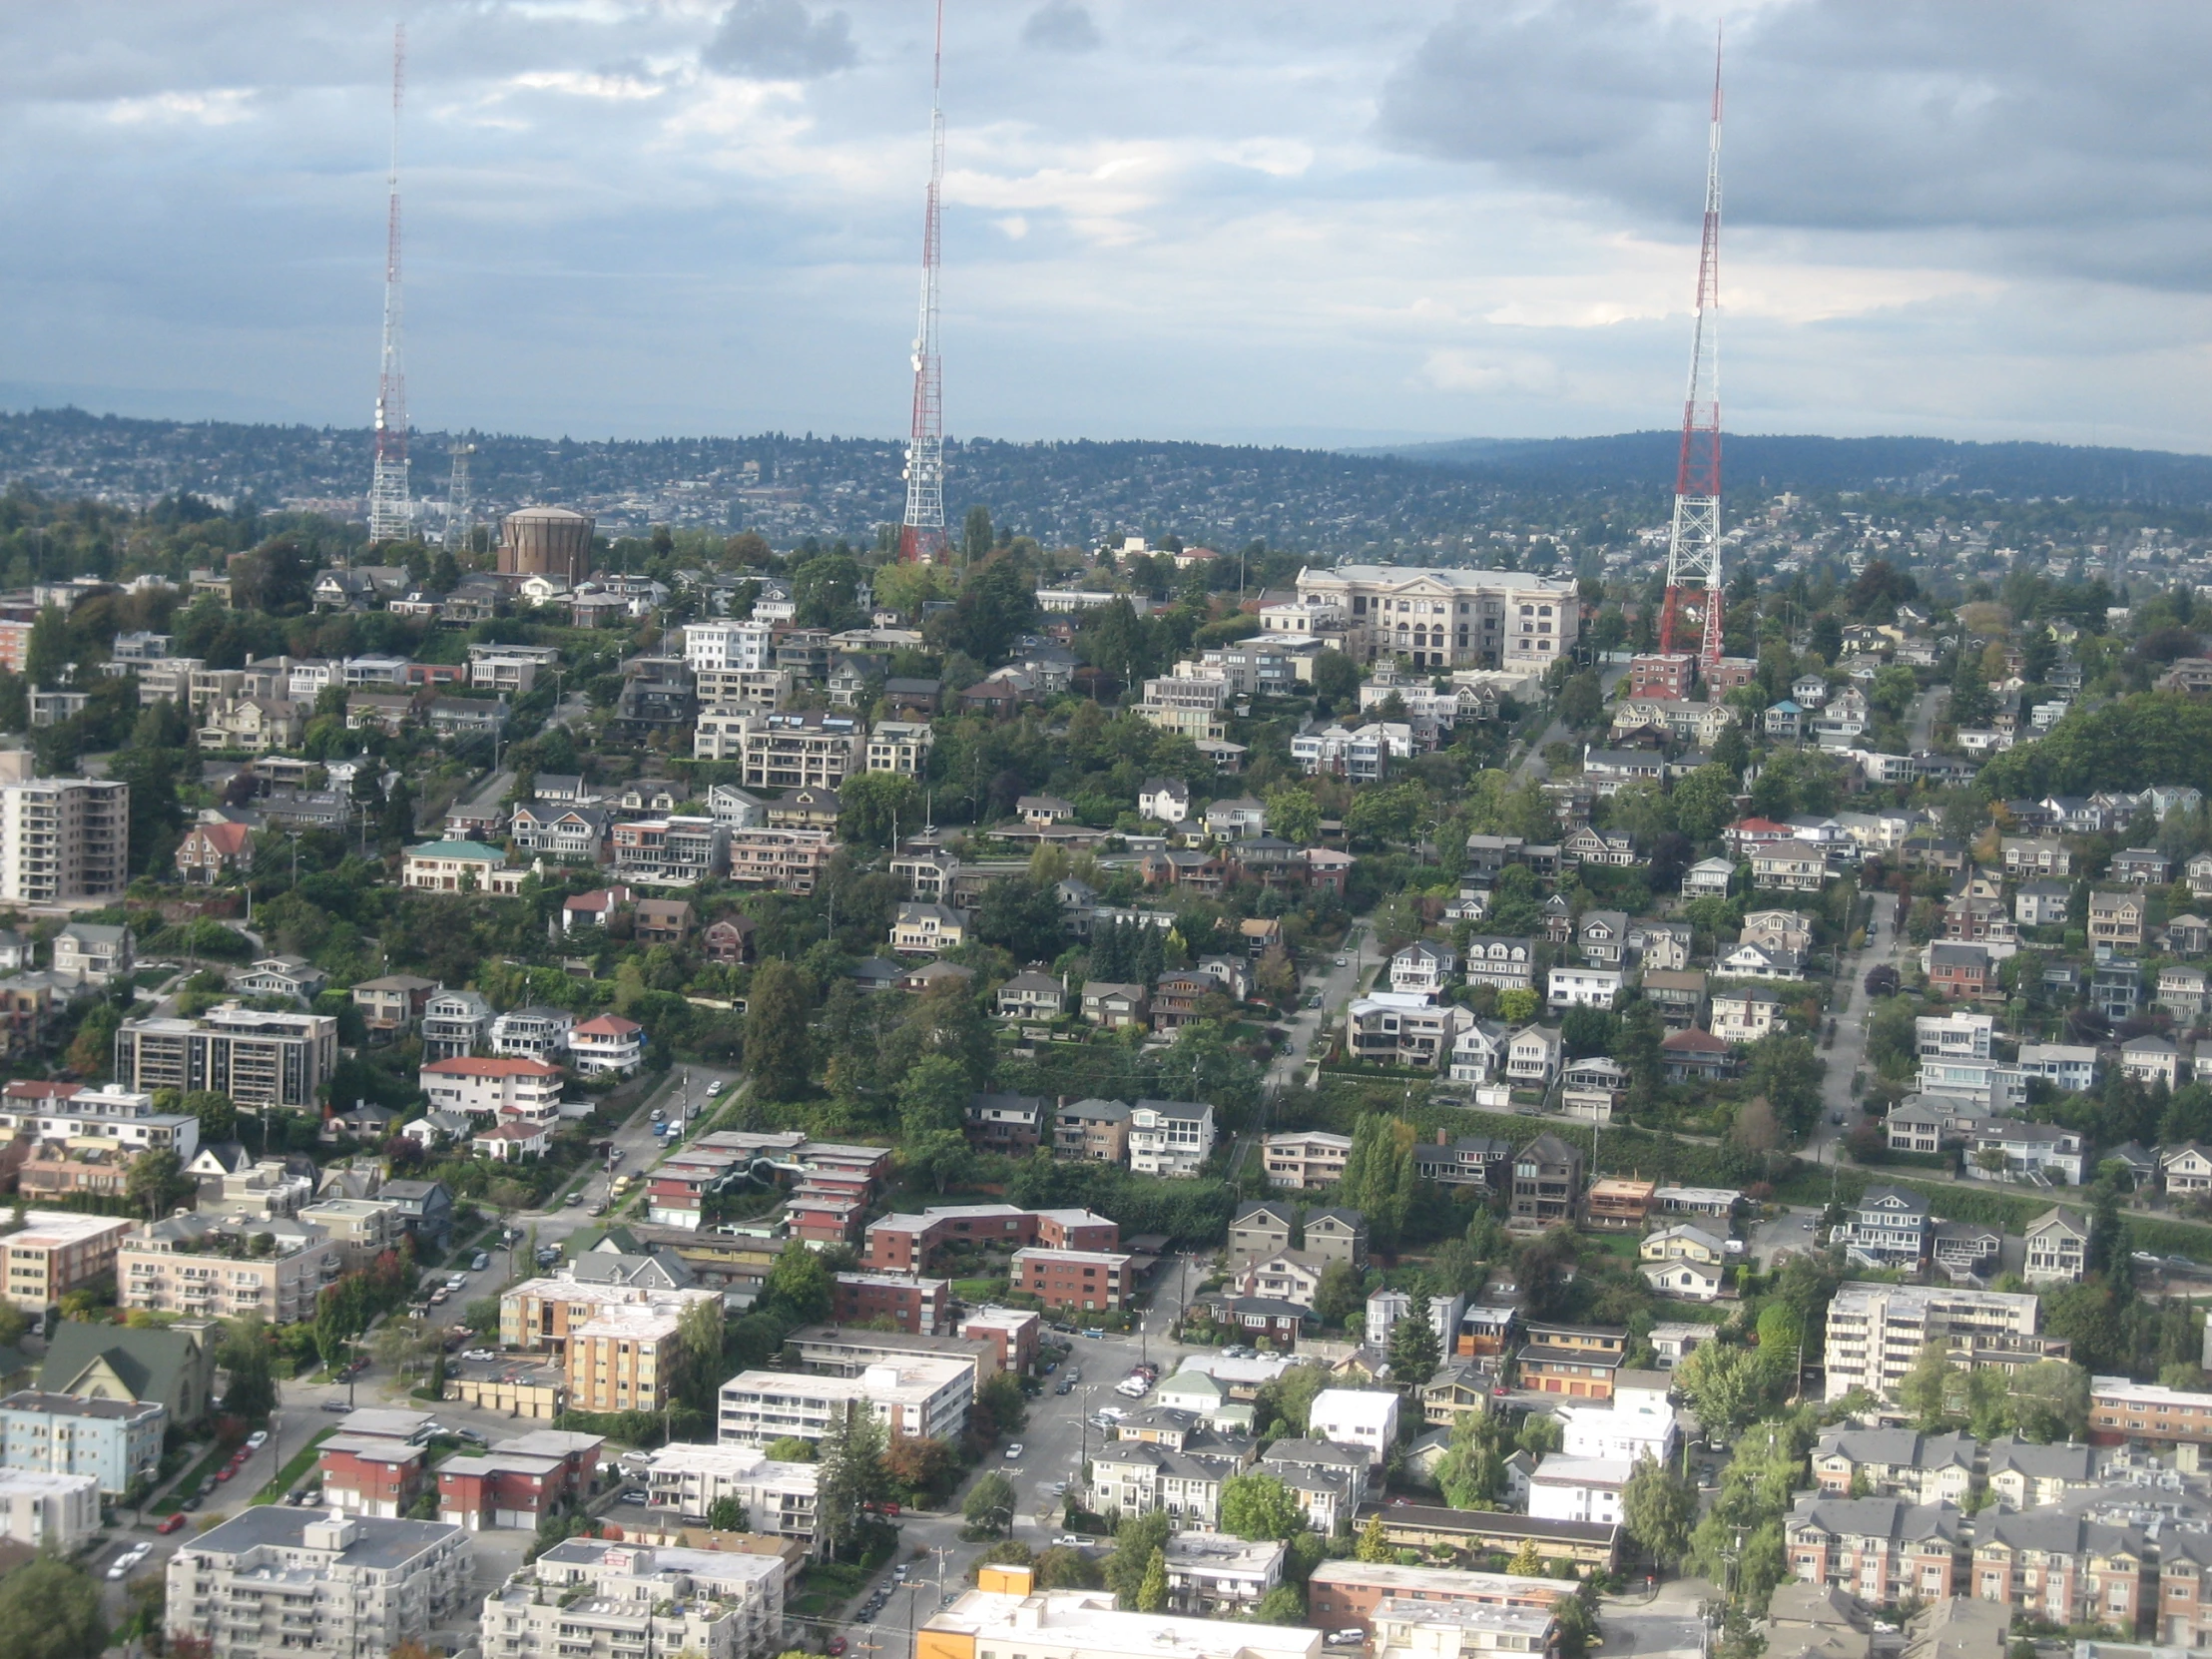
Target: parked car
[129, 1559]
[479, 1262]
[1071, 1540]
[1063, 1387]
[1345, 1638]
[633, 1495]
[337, 1405]
[1013, 1456]
[174, 1523]
[256, 1440]
[226, 1472]
[715, 1087]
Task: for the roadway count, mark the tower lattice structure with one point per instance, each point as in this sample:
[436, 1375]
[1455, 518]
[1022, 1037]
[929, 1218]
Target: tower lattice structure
[391, 511]
[921, 537]
[1694, 539]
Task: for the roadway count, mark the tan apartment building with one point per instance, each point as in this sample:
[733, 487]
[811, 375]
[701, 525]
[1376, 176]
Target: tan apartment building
[191, 1265]
[361, 1228]
[792, 860]
[622, 1359]
[257, 1057]
[62, 837]
[56, 1252]
[780, 750]
[1305, 1158]
[545, 1312]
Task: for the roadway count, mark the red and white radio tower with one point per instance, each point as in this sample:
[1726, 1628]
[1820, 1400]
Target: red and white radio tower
[922, 538]
[1694, 543]
[390, 512]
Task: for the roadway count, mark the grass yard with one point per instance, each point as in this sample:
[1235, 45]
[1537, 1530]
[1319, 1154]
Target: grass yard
[1622, 1245]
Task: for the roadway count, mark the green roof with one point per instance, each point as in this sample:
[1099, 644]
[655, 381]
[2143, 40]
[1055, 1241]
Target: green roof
[458, 849]
[154, 1365]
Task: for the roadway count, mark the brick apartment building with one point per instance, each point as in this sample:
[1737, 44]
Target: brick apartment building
[373, 1475]
[1013, 1332]
[2045, 1565]
[517, 1480]
[914, 1305]
[1341, 1594]
[911, 1243]
[1088, 1281]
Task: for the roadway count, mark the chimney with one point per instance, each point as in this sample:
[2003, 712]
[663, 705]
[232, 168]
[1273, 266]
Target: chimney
[1441, 1136]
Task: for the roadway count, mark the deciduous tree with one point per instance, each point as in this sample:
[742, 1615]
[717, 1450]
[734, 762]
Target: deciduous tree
[1257, 1505]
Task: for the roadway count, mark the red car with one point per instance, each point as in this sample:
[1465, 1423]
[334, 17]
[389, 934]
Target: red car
[173, 1523]
[837, 1646]
[224, 1472]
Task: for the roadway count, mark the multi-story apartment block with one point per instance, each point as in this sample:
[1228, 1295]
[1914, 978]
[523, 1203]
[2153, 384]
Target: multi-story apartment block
[257, 1057]
[55, 1252]
[1305, 1158]
[273, 1578]
[791, 750]
[675, 851]
[536, 1033]
[911, 1303]
[1191, 706]
[791, 860]
[2029, 1476]
[63, 837]
[1882, 1550]
[218, 1267]
[1895, 1462]
[1449, 617]
[70, 1115]
[912, 1244]
[116, 1441]
[488, 1087]
[1212, 1575]
[900, 745]
[684, 1482]
[1343, 1594]
[2063, 1568]
[42, 1510]
[1083, 1279]
[1578, 1361]
[1875, 1331]
[619, 1601]
[921, 1398]
[454, 1023]
[724, 644]
[623, 1357]
[450, 867]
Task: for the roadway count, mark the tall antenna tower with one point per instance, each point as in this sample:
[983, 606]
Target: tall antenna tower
[1694, 542]
[922, 538]
[390, 513]
[458, 519]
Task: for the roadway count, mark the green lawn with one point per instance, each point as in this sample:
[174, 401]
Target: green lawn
[192, 1482]
[300, 1462]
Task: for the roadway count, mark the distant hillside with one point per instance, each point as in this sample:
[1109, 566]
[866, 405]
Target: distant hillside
[1934, 466]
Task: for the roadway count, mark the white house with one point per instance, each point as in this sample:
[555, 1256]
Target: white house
[1578, 1488]
[1584, 988]
[1365, 1417]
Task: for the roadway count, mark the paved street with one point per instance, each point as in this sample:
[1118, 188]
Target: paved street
[1668, 1625]
[1850, 1012]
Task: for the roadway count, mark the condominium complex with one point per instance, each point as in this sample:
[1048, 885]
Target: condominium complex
[1875, 1331]
[257, 1057]
[218, 1267]
[687, 1481]
[588, 1599]
[922, 1398]
[1449, 617]
[787, 750]
[273, 1578]
[792, 860]
[63, 838]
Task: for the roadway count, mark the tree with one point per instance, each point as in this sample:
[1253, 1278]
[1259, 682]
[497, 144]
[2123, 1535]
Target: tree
[1294, 814]
[726, 1514]
[1336, 678]
[245, 1356]
[1340, 1294]
[932, 1095]
[1660, 1507]
[2050, 1402]
[1526, 1563]
[802, 1282]
[1724, 1385]
[872, 804]
[990, 1502]
[699, 1337]
[1022, 916]
[218, 1118]
[940, 1156]
[1925, 1391]
[999, 1408]
[775, 1042]
[51, 1610]
[1415, 1350]
[1136, 1541]
[1258, 1506]
[1373, 1545]
[1517, 1006]
[790, 1449]
[852, 1459]
[157, 1176]
[1281, 1606]
[1152, 1589]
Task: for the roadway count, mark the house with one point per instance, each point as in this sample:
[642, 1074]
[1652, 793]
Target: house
[1579, 1362]
[1583, 987]
[1164, 799]
[1679, 996]
[2142, 867]
[2149, 1061]
[1546, 1182]
[91, 955]
[1030, 994]
[1602, 937]
[2041, 904]
[1709, 879]
[1694, 1056]
[608, 1043]
[1423, 969]
[1961, 971]
[209, 851]
[927, 929]
[2115, 921]
[728, 939]
[1305, 1159]
[1506, 963]
[1260, 1229]
[2005, 1148]
[2189, 936]
[1744, 1016]
[2182, 992]
[1114, 1006]
[662, 922]
[2185, 1170]
[1889, 1228]
[2058, 1249]
[1533, 1056]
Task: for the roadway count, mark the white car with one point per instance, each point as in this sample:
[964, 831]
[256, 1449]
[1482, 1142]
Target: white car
[256, 1440]
[1072, 1541]
[128, 1559]
[1014, 1451]
[714, 1088]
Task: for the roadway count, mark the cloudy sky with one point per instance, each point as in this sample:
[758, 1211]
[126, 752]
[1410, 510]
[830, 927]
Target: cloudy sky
[1296, 221]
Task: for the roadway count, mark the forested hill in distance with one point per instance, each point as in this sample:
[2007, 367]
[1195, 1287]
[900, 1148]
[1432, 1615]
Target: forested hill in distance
[1817, 465]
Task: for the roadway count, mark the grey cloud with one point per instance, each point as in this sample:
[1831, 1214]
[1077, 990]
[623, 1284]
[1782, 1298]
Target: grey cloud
[781, 40]
[2064, 137]
[1061, 26]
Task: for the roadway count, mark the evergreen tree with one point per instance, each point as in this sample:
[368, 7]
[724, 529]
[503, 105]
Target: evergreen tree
[776, 1038]
[1415, 1350]
[851, 1470]
[1372, 1546]
[1152, 1592]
